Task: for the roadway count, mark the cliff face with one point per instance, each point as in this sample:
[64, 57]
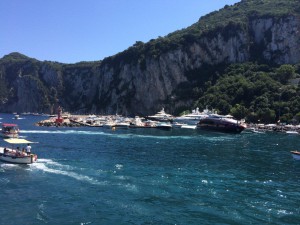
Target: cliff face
[135, 87]
[271, 40]
[279, 37]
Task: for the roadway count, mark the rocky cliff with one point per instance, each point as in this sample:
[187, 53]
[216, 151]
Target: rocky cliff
[148, 76]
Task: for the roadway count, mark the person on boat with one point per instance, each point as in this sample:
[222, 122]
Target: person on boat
[18, 152]
[5, 151]
[28, 149]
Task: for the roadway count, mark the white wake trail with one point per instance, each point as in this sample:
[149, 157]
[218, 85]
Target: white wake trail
[42, 165]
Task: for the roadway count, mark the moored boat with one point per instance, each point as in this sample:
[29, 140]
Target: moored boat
[221, 123]
[161, 116]
[164, 126]
[13, 155]
[122, 125]
[150, 124]
[192, 118]
[177, 125]
[296, 155]
[189, 127]
[109, 124]
[291, 132]
[10, 130]
[137, 123]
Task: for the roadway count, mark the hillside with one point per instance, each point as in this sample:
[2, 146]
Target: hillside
[182, 70]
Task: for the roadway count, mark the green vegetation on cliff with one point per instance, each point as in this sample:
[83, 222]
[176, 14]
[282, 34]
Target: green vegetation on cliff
[225, 20]
[255, 92]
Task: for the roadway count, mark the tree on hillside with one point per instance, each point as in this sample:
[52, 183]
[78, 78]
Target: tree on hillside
[239, 111]
[285, 72]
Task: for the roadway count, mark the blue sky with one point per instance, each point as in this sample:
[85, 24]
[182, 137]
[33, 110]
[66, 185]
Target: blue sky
[70, 31]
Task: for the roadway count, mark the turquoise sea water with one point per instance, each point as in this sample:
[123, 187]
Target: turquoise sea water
[149, 176]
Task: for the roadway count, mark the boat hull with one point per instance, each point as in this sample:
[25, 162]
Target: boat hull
[109, 126]
[233, 129]
[225, 128]
[18, 159]
[164, 127]
[122, 125]
[189, 127]
[296, 155]
[9, 135]
[221, 124]
[10, 130]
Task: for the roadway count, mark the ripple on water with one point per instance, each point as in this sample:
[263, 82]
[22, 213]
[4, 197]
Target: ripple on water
[148, 176]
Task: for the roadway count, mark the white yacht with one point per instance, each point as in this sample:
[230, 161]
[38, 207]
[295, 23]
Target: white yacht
[161, 116]
[164, 125]
[192, 118]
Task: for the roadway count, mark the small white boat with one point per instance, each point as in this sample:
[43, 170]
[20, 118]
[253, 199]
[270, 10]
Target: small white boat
[109, 124]
[188, 126]
[150, 124]
[178, 125]
[13, 155]
[123, 125]
[164, 126]
[296, 155]
[137, 123]
[291, 132]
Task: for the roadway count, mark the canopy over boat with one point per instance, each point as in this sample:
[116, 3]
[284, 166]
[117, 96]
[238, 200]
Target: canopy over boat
[18, 141]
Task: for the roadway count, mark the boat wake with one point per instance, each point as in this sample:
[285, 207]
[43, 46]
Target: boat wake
[206, 136]
[72, 132]
[11, 166]
[116, 135]
[49, 166]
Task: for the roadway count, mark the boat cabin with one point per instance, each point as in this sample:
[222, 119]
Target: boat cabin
[10, 130]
